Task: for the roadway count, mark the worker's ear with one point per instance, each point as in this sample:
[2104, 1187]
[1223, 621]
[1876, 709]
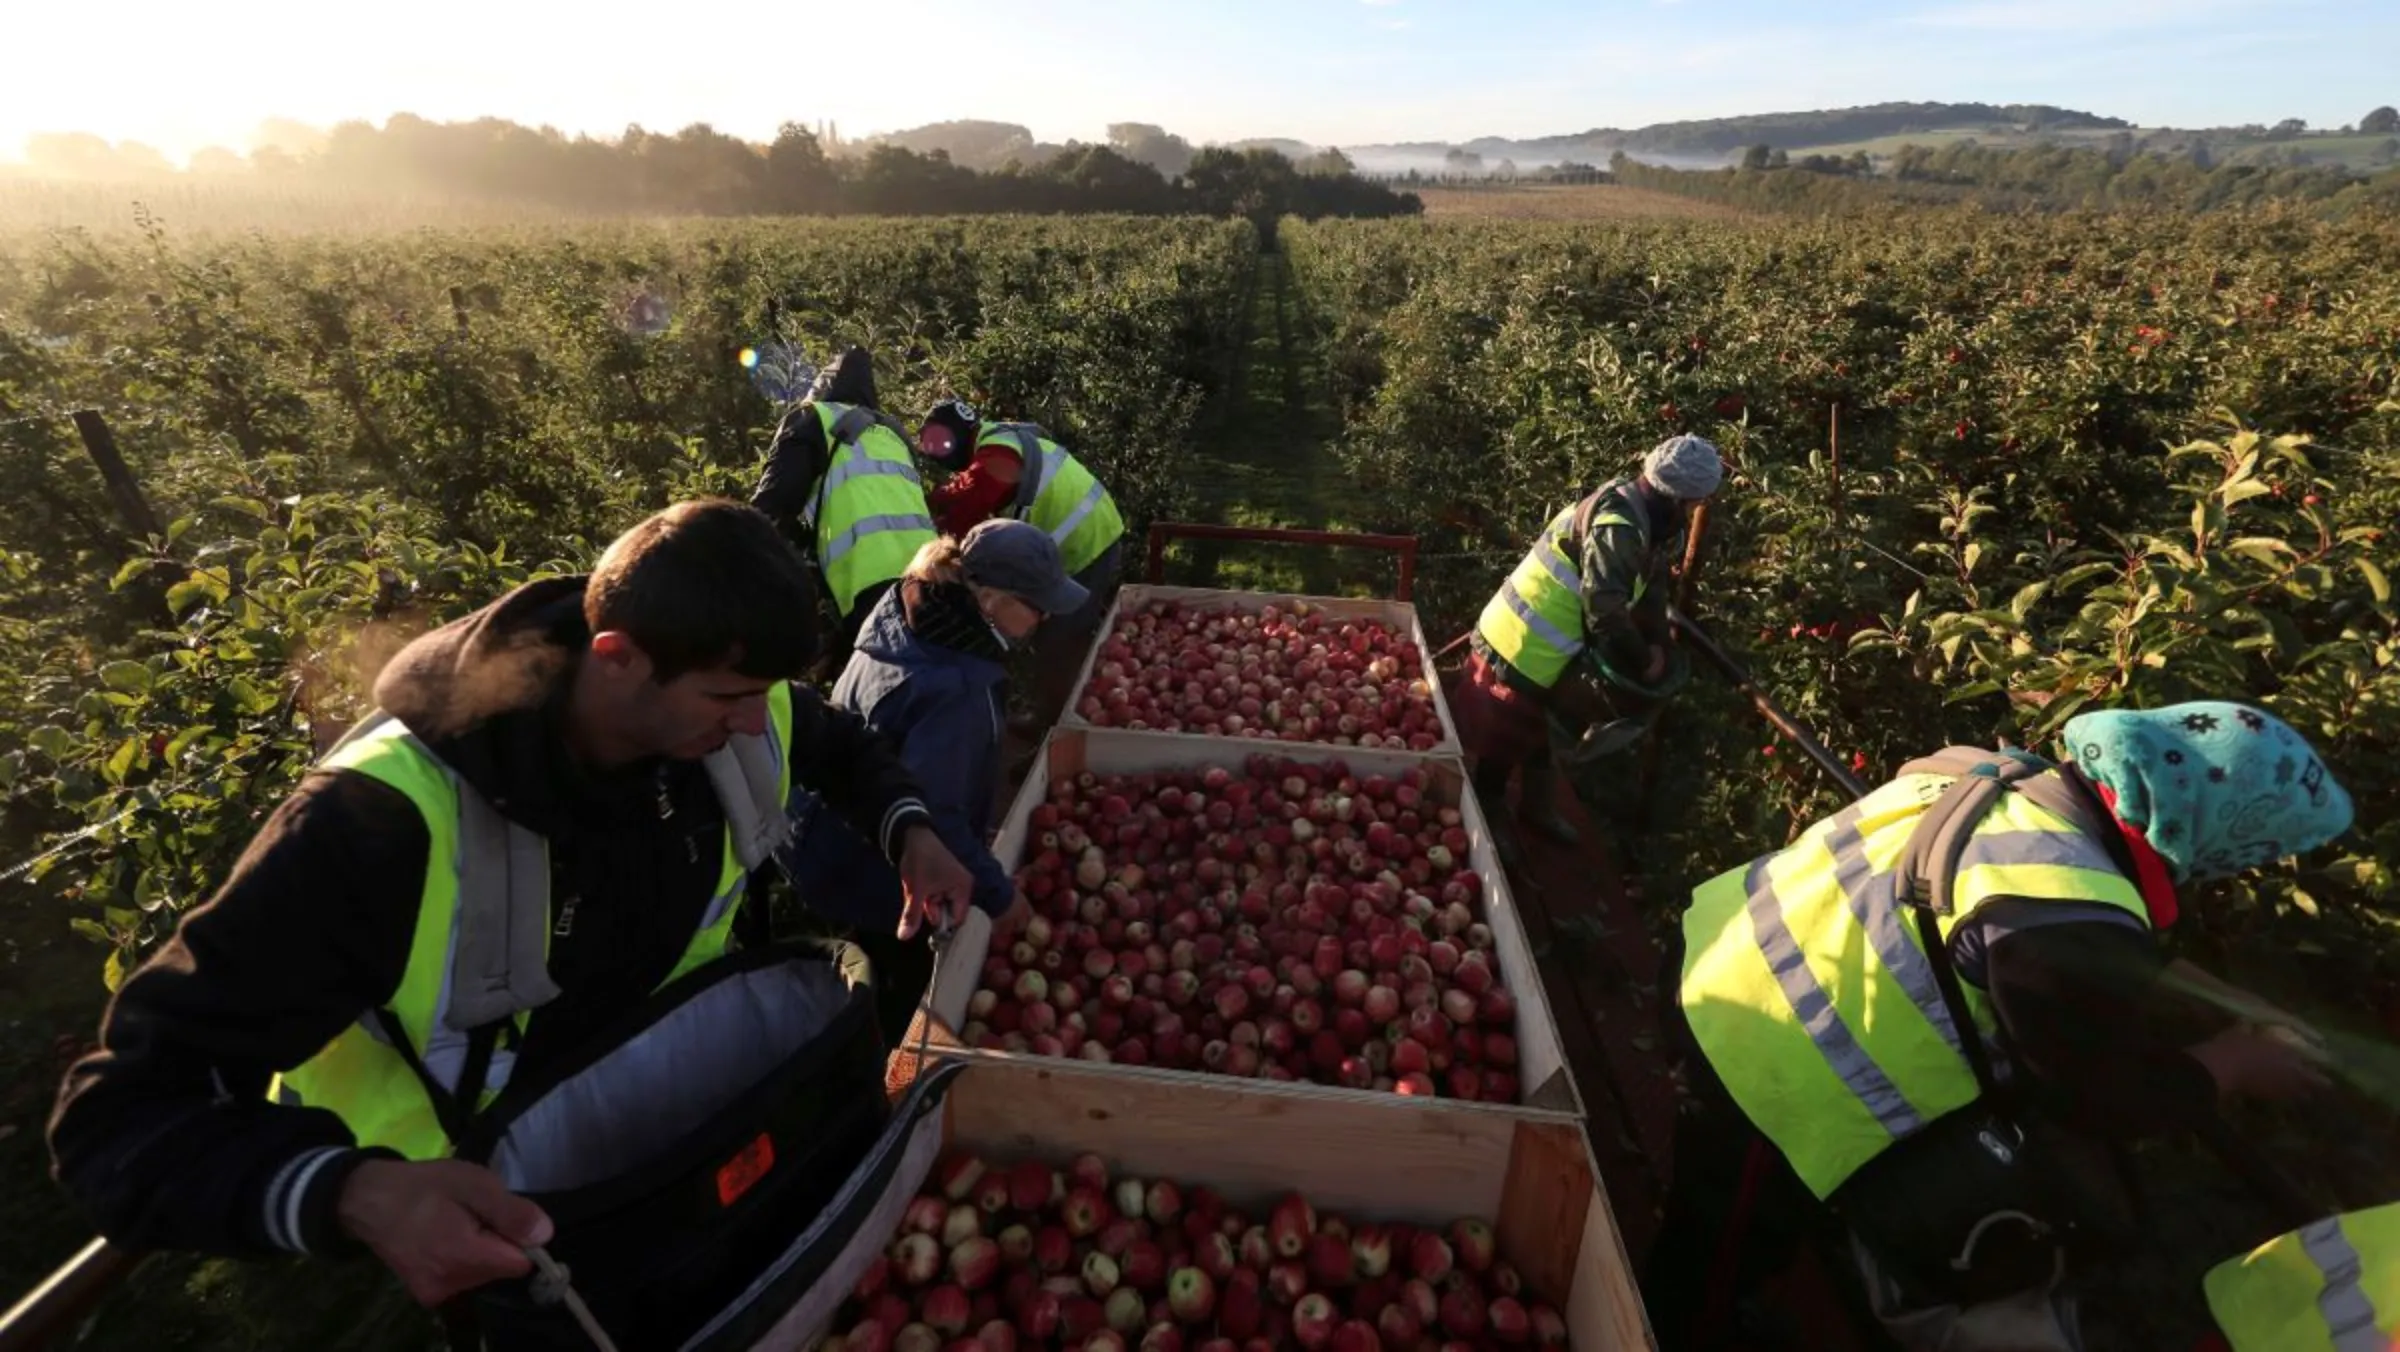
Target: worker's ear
[619, 657]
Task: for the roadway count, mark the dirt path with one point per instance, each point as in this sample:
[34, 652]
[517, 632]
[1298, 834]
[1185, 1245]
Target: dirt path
[1266, 458]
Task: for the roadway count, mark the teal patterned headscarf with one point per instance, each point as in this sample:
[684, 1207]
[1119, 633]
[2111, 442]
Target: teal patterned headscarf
[2215, 788]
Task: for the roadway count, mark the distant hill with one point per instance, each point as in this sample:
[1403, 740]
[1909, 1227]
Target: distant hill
[1796, 131]
[1875, 129]
[1714, 141]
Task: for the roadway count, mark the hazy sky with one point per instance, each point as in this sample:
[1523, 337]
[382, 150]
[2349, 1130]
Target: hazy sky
[180, 75]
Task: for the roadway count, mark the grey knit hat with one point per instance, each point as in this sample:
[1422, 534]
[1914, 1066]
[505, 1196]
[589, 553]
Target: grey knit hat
[1684, 467]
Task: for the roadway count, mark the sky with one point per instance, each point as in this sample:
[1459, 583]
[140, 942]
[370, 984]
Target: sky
[178, 75]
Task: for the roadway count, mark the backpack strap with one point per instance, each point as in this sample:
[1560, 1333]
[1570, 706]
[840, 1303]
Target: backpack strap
[501, 963]
[1927, 871]
[747, 774]
[1027, 438]
[1929, 866]
[853, 424]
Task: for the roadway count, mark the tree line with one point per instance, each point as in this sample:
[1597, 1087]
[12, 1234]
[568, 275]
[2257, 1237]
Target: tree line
[702, 171]
[2047, 177]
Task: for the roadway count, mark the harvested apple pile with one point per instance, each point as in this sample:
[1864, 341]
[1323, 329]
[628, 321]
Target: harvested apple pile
[1292, 675]
[995, 1258]
[1292, 922]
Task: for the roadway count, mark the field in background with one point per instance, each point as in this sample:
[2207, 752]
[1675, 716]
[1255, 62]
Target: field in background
[196, 207]
[1544, 202]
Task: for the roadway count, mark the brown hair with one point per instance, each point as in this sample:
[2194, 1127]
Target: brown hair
[704, 584]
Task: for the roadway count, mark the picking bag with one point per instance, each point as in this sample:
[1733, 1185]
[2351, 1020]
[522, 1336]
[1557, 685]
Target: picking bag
[681, 1153]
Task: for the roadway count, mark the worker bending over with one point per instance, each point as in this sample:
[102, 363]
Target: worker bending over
[1908, 1104]
[1584, 611]
[839, 480]
[550, 815]
[927, 674]
[1005, 469]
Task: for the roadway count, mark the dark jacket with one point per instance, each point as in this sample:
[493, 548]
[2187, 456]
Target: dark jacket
[928, 675]
[165, 1135]
[1614, 558]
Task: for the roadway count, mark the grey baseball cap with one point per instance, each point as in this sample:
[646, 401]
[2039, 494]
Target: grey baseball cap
[1022, 560]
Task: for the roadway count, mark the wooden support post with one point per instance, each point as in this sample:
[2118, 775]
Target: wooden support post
[1833, 449]
[1691, 556]
[123, 489]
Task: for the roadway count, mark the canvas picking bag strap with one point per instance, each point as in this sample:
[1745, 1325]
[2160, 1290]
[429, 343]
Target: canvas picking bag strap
[1986, 1203]
[680, 1152]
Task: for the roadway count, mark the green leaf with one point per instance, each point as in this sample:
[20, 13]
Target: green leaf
[127, 572]
[193, 590]
[2260, 549]
[2235, 494]
[121, 764]
[55, 742]
[2027, 598]
[131, 677]
[113, 971]
[184, 739]
[89, 928]
[2376, 582]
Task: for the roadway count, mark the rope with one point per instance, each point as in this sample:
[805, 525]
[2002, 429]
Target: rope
[24, 867]
[552, 1284]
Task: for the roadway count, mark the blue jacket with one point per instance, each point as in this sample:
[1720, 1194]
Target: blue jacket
[941, 707]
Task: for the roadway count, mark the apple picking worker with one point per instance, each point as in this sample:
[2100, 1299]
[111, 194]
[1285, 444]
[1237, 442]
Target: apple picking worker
[284, 1075]
[1593, 586]
[1901, 1106]
[1003, 469]
[839, 480]
[928, 674]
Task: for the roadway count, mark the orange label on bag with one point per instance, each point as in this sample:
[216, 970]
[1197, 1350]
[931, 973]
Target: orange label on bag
[748, 1165]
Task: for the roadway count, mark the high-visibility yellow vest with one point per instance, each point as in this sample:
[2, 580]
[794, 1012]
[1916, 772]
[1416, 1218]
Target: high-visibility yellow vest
[870, 508]
[2329, 1287]
[370, 1083]
[1807, 986]
[1535, 621]
[1056, 493]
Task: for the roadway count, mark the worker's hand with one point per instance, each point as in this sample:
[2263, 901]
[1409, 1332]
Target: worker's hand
[2261, 1063]
[443, 1226]
[935, 886]
[1656, 670]
[1020, 910]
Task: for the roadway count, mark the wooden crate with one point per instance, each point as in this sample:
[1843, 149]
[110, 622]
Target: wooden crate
[1546, 1088]
[1378, 1157]
[1398, 615]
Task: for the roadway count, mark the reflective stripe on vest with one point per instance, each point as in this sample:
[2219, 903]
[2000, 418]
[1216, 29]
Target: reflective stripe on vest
[369, 1084]
[1535, 621]
[1807, 986]
[2330, 1286]
[1056, 492]
[871, 516]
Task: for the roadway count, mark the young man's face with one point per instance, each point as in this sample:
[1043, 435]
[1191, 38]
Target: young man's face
[698, 712]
